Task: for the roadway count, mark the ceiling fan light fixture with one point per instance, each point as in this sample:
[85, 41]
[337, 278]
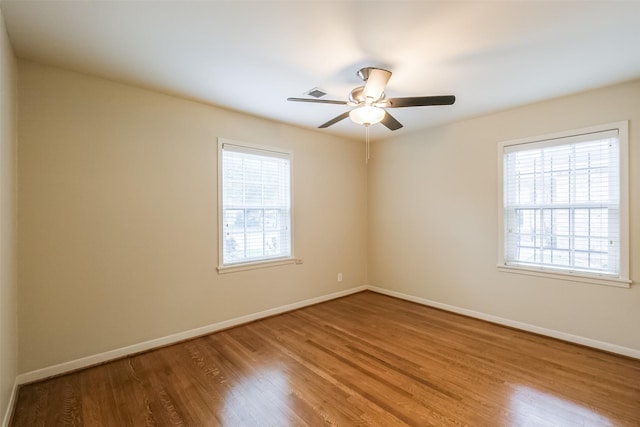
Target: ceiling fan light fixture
[367, 115]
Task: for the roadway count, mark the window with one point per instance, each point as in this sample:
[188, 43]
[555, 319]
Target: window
[564, 205]
[255, 205]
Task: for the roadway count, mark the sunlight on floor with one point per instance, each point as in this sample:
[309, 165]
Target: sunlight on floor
[264, 392]
[531, 407]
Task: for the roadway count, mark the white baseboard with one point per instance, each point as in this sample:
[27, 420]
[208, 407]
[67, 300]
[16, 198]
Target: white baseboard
[96, 359]
[11, 406]
[601, 345]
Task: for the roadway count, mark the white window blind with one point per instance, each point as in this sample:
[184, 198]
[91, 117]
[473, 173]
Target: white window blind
[256, 204]
[562, 204]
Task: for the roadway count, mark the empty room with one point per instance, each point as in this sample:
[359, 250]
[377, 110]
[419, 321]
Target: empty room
[307, 213]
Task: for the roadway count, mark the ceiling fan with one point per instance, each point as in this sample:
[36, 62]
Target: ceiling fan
[370, 101]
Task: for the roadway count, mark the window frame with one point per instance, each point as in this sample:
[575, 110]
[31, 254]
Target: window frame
[622, 279]
[249, 265]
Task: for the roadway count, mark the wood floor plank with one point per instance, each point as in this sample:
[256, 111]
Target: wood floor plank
[365, 359]
[95, 405]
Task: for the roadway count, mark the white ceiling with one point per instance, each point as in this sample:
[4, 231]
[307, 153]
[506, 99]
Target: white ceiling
[251, 55]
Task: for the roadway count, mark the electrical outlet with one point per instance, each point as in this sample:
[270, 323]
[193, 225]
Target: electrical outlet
[339, 277]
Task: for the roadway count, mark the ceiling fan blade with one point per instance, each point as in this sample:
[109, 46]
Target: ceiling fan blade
[318, 101]
[418, 101]
[390, 122]
[335, 120]
[376, 82]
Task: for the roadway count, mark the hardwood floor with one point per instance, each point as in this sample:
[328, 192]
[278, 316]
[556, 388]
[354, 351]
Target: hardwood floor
[366, 359]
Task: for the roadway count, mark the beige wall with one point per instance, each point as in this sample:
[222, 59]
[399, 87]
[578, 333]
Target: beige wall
[433, 216]
[8, 206]
[118, 216]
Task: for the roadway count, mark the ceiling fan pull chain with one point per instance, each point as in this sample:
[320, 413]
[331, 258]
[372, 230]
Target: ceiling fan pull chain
[367, 149]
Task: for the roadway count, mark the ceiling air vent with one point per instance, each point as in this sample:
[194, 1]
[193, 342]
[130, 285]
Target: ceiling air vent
[316, 92]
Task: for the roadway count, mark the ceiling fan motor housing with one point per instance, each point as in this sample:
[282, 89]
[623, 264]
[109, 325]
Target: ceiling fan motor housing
[357, 95]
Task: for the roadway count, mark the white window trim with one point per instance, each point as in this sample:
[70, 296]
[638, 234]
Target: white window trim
[622, 280]
[251, 265]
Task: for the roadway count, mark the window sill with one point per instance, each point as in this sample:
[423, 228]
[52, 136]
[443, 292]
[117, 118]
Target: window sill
[232, 268]
[573, 277]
